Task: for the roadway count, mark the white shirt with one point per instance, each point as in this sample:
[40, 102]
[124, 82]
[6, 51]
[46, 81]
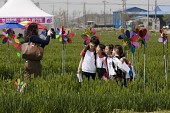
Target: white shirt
[88, 64]
[134, 75]
[110, 66]
[117, 62]
[100, 62]
[125, 67]
[122, 66]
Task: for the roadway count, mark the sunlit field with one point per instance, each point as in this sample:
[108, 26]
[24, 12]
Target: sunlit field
[57, 93]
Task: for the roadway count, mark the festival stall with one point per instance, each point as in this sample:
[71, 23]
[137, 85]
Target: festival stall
[24, 10]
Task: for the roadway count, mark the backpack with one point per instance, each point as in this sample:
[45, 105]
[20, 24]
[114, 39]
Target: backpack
[119, 72]
[131, 73]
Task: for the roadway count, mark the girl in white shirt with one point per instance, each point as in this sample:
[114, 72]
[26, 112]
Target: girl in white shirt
[100, 61]
[109, 60]
[88, 59]
[118, 55]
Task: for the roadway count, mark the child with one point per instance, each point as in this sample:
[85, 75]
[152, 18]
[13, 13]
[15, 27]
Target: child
[119, 66]
[100, 62]
[118, 51]
[131, 74]
[88, 59]
[109, 60]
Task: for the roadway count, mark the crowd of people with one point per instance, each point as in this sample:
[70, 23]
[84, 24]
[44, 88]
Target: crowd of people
[108, 62]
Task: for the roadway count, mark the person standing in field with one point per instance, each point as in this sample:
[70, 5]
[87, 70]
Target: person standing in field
[109, 60]
[20, 35]
[87, 63]
[34, 67]
[101, 61]
[119, 67]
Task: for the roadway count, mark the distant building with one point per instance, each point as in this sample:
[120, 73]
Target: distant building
[160, 11]
[118, 15]
[96, 18]
[142, 22]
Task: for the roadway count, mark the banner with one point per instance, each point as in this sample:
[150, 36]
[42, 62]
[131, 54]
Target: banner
[41, 20]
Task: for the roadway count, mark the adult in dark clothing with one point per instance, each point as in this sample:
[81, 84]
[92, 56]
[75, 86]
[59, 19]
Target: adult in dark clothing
[20, 35]
[53, 33]
[34, 67]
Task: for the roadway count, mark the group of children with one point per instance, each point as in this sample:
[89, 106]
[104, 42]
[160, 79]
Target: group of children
[109, 62]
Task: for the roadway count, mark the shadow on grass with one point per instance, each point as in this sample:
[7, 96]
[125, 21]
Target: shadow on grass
[6, 73]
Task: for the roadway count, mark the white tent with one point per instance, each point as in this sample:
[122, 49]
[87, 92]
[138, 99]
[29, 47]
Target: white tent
[24, 10]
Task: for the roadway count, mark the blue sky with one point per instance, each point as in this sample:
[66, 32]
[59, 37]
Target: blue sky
[93, 6]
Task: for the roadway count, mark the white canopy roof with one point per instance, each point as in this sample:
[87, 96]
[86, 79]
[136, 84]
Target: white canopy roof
[22, 9]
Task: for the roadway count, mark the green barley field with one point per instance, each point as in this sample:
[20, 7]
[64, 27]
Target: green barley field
[57, 93]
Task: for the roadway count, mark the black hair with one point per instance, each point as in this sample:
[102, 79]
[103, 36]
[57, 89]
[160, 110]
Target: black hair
[31, 30]
[102, 46]
[33, 27]
[20, 35]
[52, 29]
[111, 46]
[95, 40]
[120, 50]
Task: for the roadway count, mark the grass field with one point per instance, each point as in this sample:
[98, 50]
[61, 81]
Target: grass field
[57, 93]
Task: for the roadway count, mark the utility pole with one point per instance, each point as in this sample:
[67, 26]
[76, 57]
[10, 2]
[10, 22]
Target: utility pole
[155, 14]
[53, 8]
[110, 15]
[54, 17]
[123, 13]
[84, 13]
[148, 16]
[67, 14]
[104, 2]
[64, 14]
